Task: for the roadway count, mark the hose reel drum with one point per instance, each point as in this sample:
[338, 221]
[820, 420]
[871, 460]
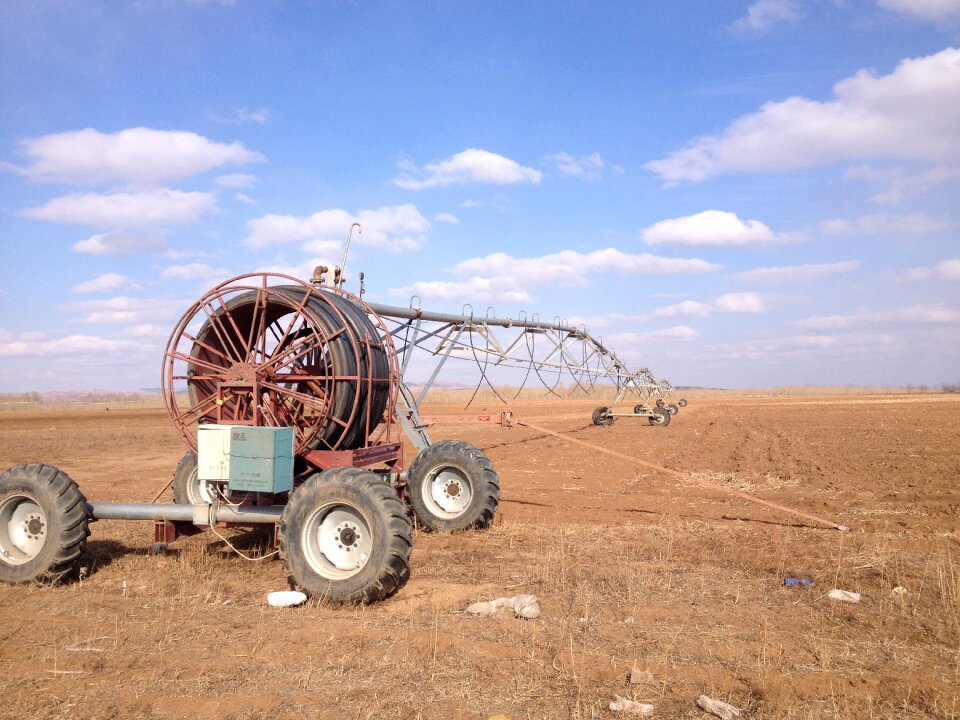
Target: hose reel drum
[271, 350]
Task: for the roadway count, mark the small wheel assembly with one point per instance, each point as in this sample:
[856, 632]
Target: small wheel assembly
[453, 486]
[345, 537]
[43, 524]
[187, 488]
[672, 409]
[660, 417]
[602, 416]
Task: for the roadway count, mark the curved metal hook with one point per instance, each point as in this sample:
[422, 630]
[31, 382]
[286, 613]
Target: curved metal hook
[346, 248]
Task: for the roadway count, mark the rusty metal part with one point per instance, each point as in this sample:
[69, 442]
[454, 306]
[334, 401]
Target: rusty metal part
[267, 349]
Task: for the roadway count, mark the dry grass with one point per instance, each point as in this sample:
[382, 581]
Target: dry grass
[633, 574]
[190, 630]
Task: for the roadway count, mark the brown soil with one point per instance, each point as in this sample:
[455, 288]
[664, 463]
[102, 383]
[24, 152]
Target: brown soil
[632, 568]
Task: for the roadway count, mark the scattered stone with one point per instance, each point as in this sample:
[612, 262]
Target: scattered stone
[899, 590]
[524, 606]
[631, 707]
[286, 598]
[844, 596]
[717, 707]
[641, 677]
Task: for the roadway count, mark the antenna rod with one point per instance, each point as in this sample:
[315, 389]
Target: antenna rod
[346, 249]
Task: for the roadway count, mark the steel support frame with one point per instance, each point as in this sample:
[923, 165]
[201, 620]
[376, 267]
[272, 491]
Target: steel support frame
[544, 348]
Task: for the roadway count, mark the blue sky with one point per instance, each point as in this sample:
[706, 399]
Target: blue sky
[734, 194]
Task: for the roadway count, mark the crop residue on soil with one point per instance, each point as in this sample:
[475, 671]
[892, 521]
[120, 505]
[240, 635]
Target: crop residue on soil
[633, 572]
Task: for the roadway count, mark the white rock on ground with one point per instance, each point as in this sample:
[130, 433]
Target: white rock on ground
[524, 606]
[718, 707]
[631, 707]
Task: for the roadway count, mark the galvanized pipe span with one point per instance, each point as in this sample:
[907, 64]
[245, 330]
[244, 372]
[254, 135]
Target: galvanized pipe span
[197, 514]
[411, 313]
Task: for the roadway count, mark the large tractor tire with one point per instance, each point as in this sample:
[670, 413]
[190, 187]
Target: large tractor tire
[43, 524]
[345, 537]
[453, 486]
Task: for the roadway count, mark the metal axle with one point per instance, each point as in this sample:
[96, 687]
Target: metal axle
[197, 514]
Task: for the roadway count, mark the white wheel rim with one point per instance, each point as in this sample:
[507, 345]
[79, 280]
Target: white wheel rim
[447, 493]
[23, 529]
[337, 541]
[201, 491]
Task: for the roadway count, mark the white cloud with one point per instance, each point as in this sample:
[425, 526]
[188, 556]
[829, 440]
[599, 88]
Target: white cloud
[912, 113]
[244, 116]
[71, 345]
[120, 244]
[236, 181]
[505, 289]
[885, 224]
[107, 282]
[763, 14]
[244, 198]
[796, 273]
[745, 302]
[901, 183]
[908, 316]
[715, 228]
[138, 156]
[943, 270]
[470, 166]
[146, 330]
[569, 266]
[397, 228]
[449, 218]
[123, 310]
[502, 277]
[588, 167]
[195, 271]
[140, 209]
[678, 332]
[766, 349]
[935, 10]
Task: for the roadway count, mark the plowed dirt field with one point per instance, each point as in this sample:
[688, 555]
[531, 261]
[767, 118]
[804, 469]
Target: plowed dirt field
[633, 569]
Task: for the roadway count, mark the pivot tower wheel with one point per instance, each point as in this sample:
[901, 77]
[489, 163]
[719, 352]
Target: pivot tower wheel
[672, 409]
[452, 486]
[682, 402]
[43, 524]
[660, 417]
[345, 537]
[602, 416]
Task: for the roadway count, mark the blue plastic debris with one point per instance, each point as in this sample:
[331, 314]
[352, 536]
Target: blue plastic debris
[788, 581]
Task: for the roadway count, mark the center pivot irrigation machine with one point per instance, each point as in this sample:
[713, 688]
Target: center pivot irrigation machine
[290, 399]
